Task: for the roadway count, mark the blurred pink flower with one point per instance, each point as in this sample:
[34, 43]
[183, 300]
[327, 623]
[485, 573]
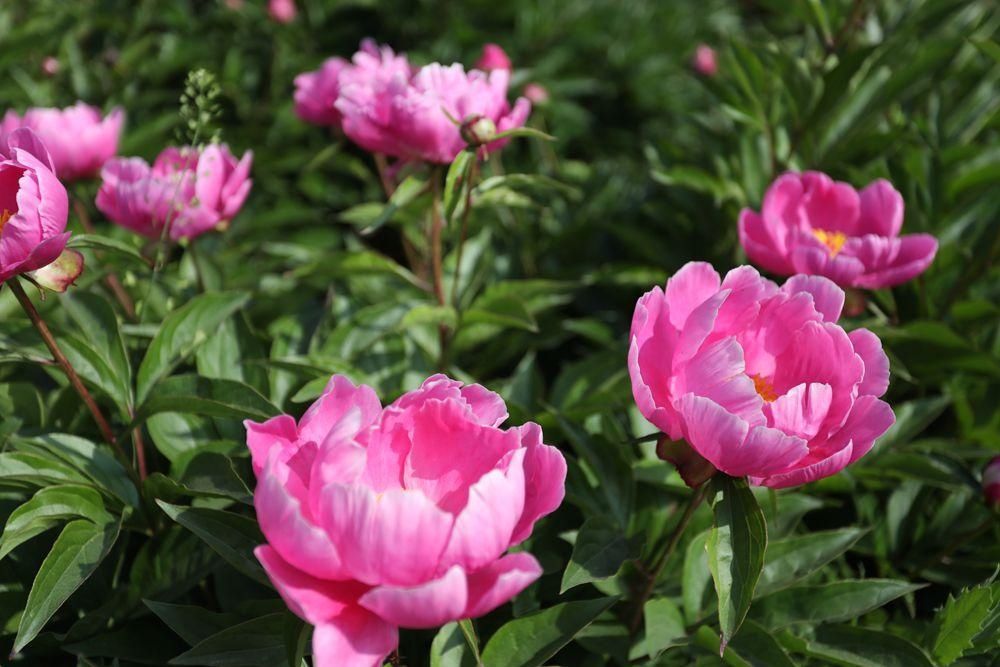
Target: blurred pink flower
[192, 191]
[812, 224]
[414, 118]
[536, 93]
[991, 482]
[282, 11]
[705, 61]
[380, 518]
[493, 57]
[760, 380]
[77, 138]
[50, 66]
[33, 210]
[316, 92]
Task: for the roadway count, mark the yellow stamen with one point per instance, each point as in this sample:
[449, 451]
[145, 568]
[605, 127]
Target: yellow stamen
[832, 240]
[4, 217]
[764, 388]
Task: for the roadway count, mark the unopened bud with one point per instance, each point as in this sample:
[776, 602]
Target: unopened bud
[477, 130]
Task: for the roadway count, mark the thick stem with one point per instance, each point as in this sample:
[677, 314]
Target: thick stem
[437, 270]
[111, 279]
[656, 568]
[60, 358]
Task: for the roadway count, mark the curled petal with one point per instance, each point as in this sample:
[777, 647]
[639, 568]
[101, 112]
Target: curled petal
[426, 605]
[499, 582]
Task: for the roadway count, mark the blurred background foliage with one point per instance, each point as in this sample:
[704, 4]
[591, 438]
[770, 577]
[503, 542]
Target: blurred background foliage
[651, 166]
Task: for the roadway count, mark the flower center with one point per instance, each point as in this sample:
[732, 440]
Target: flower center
[4, 217]
[832, 240]
[764, 388]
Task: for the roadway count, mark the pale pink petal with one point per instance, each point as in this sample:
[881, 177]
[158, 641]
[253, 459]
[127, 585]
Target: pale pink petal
[802, 410]
[356, 638]
[765, 451]
[692, 285]
[717, 372]
[713, 432]
[499, 582]
[340, 412]
[427, 605]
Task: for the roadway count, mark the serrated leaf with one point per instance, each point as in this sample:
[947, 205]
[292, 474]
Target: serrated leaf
[736, 544]
[182, 331]
[530, 640]
[79, 549]
[960, 621]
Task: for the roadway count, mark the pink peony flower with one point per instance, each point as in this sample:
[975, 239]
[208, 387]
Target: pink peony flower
[192, 191]
[991, 482]
[380, 518]
[812, 224]
[316, 92]
[282, 11]
[387, 110]
[33, 211]
[493, 57]
[77, 138]
[704, 61]
[760, 380]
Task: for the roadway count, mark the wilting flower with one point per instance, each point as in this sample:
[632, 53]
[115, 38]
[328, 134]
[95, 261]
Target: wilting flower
[33, 211]
[190, 191]
[380, 518]
[77, 138]
[991, 482]
[413, 117]
[493, 57]
[812, 224]
[704, 61]
[316, 92]
[282, 11]
[759, 380]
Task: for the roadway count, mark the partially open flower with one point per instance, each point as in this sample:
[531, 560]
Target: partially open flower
[705, 61]
[477, 130]
[316, 92]
[380, 518]
[33, 209]
[190, 191]
[78, 139]
[812, 224]
[493, 57]
[759, 380]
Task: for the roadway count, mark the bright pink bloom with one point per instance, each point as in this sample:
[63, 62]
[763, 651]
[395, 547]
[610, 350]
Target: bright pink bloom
[704, 60]
[50, 66]
[192, 191]
[812, 224]
[760, 380]
[493, 58]
[316, 92]
[380, 518]
[991, 482]
[77, 138]
[33, 207]
[386, 110]
[282, 11]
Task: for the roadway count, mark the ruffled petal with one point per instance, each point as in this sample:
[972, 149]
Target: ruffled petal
[427, 605]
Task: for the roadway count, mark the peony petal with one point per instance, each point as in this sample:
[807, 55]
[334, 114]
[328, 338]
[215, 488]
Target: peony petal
[499, 582]
[650, 360]
[827, 297]
[868, 346]
[881, 209]
[801, 411]
[356, 638]
[544, 480]
[913, 254]
[340, 413]
[427, 605]
[691, 286]
[60, 274]
[280, 432]
[717, 372]
[765, 451]
[760, 248]
[314, 600]
[711, 431]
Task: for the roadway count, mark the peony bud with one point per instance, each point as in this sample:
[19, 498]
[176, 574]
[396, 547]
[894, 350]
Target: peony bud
[477, 130]
[50, 66]
[991, 482]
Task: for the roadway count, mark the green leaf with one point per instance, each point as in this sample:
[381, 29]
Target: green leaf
[523, 132]
[794, 558]
[100, 335]
[232, 536]
[457, 180]
[757, 646]
[192, 624]
[695, 577]
[530, 640]
[502, 311]
[828, 603]
[48, 508]
[97, 242]
[600, 549]
[664, 626]
[77, 552]
[256, 643]
[859, 647]
[92, 462]
[960, 621]
[36, 470]
[182, 331]
[449, 648]
[736, 545]
[194, 394]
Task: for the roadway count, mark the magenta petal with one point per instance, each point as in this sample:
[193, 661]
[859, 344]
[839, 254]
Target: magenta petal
[314, 600]
[868, 346]
[499, 582]
[869, 420]
[828, 298]
[340, 413]
[881, 209]
[717, 372]
[801, 411]
[713, 432]
[913, 255]
[544, 481]
[690, 287]
[279, 432]
[766, 451]
[760, 248]
[427, 605]
[809, 473]
[356, 638]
